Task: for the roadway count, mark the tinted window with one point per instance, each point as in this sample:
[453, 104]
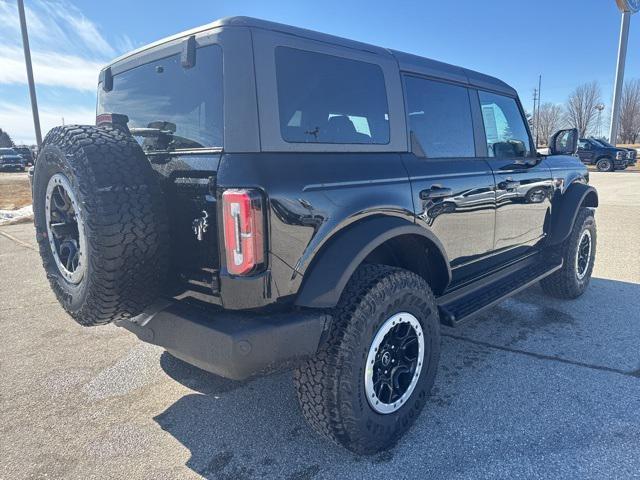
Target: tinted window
[504, 126]
[440, 118]
[184, 104]
[328, 99]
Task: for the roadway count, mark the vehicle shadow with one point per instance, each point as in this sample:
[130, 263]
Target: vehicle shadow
[255, 429]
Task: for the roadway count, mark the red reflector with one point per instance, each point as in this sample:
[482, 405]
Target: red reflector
[103, 118]
[243, 230]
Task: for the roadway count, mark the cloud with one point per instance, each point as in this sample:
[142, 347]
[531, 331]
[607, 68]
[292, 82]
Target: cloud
[50, 68]
[67, 49]
[16, 119]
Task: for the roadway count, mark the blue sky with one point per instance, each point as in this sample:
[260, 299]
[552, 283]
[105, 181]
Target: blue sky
[567, 41]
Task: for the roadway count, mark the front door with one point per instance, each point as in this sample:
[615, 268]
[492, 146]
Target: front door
[452, 189]
[523, 185]
[585, 151]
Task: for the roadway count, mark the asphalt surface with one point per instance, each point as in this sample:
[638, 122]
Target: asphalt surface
[534, 388]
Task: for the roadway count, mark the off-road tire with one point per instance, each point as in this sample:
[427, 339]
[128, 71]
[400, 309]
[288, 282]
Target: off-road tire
[330, 386]
[125, 224]
[564, 283]
[605, 164]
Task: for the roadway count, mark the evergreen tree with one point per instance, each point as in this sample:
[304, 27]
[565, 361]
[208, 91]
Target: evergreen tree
[5, 139]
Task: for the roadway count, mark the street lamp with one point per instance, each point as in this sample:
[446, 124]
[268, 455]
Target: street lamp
[599, 107]
[627, 7]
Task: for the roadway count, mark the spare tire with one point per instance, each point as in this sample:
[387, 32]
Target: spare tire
[100, 222]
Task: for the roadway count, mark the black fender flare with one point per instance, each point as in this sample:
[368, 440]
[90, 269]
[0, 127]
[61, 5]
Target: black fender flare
[565, 210]
[333, 265]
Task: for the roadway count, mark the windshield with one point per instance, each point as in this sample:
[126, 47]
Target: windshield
[171, 107]
[7, 151]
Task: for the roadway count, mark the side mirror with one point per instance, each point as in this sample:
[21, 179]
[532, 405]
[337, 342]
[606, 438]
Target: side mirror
[564, 142]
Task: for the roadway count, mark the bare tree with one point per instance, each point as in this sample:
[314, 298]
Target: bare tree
[581, 107]
[550, 119]
[629, 131]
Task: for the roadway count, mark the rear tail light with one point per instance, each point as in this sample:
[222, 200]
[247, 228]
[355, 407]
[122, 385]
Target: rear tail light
[243, 230]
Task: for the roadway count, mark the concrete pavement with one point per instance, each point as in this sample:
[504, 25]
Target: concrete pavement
[534, 388]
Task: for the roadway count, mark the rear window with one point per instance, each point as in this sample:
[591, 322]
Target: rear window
[440, 118]
[328, 99]
[171, 107]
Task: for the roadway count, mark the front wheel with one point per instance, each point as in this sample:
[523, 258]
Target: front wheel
[578, 254]
[604, 165]
[370, 380]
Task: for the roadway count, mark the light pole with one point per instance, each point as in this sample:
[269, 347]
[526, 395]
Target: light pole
[599, 107]
[628, 7]
[27, 61]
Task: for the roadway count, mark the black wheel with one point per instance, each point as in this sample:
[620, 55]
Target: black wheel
[604, 165]
[100, 223]
[370, 380]
[579, 254]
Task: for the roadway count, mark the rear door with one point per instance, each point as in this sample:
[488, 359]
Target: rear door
[452, 188]
[523, 184]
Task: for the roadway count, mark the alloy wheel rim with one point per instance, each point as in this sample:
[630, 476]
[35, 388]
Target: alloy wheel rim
[583, 255]
[65, 229]
[394, 363]
[604, 165]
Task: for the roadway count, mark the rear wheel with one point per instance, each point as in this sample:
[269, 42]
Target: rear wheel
[604, 165]
[100, 223]
[370, 380]
[578, 254]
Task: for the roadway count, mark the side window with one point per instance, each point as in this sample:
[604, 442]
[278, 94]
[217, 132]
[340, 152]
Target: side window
[440, 118]
[328, 99]
[583, 145]
[507, 136]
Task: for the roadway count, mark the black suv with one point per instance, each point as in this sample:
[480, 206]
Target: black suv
[605, 157]
[256, 196]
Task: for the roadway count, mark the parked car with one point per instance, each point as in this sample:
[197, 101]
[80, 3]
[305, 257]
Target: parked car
[25, 152]
[632, 153]
[345, 201]
[605, 158]
[11, 160]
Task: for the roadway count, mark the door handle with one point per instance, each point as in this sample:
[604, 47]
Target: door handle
[435, 192]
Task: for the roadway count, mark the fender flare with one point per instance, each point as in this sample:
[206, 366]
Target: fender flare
[334, 264]
[565, 210]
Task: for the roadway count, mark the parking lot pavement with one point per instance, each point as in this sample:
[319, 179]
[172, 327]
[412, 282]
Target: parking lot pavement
[534, 388]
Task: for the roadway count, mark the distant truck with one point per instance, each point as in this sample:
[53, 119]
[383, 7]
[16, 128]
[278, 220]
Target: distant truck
[606, 158]
[25, 152]
[632, 153]
[11, 160]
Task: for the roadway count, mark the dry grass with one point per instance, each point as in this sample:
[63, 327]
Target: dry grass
[14, 191]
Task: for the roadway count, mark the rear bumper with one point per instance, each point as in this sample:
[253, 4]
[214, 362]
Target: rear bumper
[235, 345]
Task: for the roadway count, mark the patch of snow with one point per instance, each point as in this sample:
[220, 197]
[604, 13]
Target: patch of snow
[24, 214]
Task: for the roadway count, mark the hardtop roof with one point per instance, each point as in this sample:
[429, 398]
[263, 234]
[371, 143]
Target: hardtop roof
[406, 61]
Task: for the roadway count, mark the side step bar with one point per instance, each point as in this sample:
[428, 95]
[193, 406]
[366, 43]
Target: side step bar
[464, 302]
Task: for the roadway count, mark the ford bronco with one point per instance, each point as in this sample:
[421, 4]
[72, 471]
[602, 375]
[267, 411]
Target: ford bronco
[256, 196]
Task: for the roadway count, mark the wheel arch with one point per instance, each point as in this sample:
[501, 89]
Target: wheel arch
[566, 208]
[388, 240]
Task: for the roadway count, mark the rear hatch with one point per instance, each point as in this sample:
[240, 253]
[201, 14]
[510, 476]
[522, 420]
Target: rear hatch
[175, 112]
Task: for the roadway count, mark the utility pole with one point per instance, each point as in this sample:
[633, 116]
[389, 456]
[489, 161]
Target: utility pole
[628, 7]
[538, 117]
[533, 115]
[27, 61]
